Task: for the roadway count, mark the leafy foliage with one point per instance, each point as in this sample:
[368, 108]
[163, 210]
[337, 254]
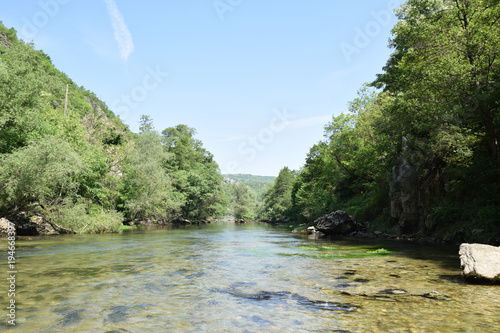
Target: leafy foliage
[243, 200]
[258, 184]
[79, 166]
[44, 173]
[195, 174]
[278, 199]
[435, 107]
[147, 186]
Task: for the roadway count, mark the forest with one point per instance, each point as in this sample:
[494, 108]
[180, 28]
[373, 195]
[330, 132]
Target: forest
[66, 158]
[418, 152]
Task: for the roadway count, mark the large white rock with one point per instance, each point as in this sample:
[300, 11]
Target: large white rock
[4, 226]
[480, 262]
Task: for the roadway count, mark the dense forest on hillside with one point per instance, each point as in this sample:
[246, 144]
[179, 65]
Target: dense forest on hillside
[259, 184]
[418, 151]
[67, 159]
[246, 194]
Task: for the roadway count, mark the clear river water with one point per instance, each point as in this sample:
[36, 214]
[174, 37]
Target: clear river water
[225, 277]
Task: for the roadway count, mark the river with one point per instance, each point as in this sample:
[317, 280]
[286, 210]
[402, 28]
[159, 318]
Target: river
[254, 277]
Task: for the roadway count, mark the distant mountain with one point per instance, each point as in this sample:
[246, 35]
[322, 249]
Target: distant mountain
[249, 178]
[257, 183]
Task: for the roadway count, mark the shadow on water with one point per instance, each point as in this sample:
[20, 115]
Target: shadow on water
[118, 314]
[446, 256]
[69, 317]
[283, 296]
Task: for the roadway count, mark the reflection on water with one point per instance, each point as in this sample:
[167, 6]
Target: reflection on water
[241, 278]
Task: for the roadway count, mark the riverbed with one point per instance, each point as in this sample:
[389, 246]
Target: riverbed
[253, 277]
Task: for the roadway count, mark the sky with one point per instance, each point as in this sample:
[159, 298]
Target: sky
[257, 79]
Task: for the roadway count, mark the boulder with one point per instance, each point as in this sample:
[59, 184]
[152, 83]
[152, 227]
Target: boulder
[337, 223]
[34, 226]
[179, 221]
[4, 226]
[311, 232]
[301, 232]
[480, 263]
[42, 226]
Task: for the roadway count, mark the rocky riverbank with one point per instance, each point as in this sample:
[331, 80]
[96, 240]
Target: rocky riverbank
[39, 226]
[339, 223]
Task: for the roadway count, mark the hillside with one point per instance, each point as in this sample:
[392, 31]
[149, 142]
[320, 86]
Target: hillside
[258, 184]
[246, 178]
[419, 150]
[69, 164]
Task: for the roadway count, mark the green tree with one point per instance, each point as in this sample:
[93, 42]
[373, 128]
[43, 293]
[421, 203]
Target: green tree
[443, 86]
[148, 189]
[278, 199]
[195, 174]
[243, 201]
[146, 124]
[21, 86]
[43, 173]
[348, 170]
[313, 189]
[444, 72]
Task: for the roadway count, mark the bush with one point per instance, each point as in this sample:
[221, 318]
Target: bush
[82, 218]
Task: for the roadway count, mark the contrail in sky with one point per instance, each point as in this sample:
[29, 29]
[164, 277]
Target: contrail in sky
[122, 34]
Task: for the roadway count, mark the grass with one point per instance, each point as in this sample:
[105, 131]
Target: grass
[335, 252]
[126, 227]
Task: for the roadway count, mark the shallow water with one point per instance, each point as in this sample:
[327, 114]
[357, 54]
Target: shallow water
[241, 278]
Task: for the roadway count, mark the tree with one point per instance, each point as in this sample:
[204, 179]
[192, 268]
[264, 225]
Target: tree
[146, 124]
[20, 101]
[278, 199]
[445, 72]
[313, 189]
[187, 150]
[243, 201]
[443, 86]
[148, 189]
[195, 174]
[43, 173]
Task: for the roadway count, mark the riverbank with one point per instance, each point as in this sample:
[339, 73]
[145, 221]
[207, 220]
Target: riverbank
[459, 237]
[39, 226]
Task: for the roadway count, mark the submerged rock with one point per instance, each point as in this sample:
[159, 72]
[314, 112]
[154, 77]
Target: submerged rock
[309, 231]
[480, 263]
[399, 295]
[337, 223]
[393, 291]
[288, 296]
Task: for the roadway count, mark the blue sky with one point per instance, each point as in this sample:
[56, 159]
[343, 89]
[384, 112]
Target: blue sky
[257, 79]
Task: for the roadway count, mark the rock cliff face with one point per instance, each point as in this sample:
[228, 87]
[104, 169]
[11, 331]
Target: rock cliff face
[403, 191]
[4, 41]
[411, 192]
[32, 226]
[480, 263]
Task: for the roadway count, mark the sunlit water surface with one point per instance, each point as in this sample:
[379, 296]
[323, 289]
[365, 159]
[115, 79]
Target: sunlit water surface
[241, 278]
